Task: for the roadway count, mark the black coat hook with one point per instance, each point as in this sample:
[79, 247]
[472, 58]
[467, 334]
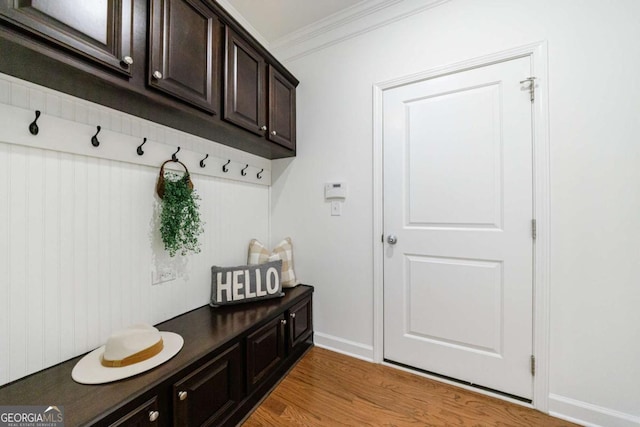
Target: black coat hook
[242, 172]
[139, 149]
[224, 167]
[202, 161]
[174, 157]
[33, 127]
[94, 138]
[259, 174]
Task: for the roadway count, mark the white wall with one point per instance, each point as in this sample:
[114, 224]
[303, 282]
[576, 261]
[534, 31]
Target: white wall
[594, 94]
[79, 234]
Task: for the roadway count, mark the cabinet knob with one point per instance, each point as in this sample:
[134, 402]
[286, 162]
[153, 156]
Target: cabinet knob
[157, 75]
[182, 395]
[127, 60]
[283, 321]
[274, 133]
[153, 415]
[263, 127]
[293, 315]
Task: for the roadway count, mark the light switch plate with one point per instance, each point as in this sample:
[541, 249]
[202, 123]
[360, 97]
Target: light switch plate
[336, 208]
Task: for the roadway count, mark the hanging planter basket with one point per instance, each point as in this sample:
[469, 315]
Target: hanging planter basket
[180, 224]
[160, 186]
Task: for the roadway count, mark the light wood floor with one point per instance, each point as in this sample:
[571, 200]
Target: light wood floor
[330, 389]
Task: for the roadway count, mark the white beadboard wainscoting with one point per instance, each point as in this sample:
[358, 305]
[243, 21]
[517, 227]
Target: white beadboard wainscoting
[79, 236]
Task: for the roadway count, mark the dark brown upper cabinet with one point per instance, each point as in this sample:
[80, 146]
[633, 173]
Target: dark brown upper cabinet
[185, 38]
[167, 61]
[98, 30]
[261, 103]
[282, 110]
[244, 85]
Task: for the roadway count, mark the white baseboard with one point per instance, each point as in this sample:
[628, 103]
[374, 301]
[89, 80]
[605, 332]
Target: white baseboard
[340, 345]
[589, 415]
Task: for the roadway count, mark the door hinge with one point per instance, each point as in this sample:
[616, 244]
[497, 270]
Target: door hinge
[382, 238]
[533, 365]
[534, 229]
[532, 87]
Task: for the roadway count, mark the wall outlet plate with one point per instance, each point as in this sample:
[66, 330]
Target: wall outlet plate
[164, 274]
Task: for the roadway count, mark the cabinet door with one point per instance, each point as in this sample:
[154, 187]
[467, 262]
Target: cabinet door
[282, 110]
[300, 323]
[209, 394]
[265, 351]
[145, 415]
[99, 30]
[244, 91]
[184, 51]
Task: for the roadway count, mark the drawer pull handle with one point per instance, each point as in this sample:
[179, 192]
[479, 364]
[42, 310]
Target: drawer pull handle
[157, 75]
[154, 415]
[263, 127]
[127, 60]
[274, 133]
[283, 321]
[182, 395]
[293, 315]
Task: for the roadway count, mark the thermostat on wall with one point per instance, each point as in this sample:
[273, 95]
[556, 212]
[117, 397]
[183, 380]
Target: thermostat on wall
[335, 190]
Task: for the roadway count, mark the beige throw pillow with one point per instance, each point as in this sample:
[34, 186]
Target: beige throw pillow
[259, 254]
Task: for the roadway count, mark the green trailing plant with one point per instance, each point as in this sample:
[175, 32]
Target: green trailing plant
[180, 224]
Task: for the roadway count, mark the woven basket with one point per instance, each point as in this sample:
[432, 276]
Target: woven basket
[161, 180]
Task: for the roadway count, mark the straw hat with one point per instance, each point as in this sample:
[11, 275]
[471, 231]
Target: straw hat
[127, 353]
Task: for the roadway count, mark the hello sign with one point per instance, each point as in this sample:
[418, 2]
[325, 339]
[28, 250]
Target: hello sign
[233, 285]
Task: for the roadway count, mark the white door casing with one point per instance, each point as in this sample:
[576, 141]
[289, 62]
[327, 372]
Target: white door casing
[458, 193]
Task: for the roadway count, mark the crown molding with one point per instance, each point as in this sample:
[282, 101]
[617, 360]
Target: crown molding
[242, 21]
[351, 22]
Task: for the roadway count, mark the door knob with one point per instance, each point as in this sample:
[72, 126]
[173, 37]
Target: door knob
[157, 75]
[127, 60]
[263, 127]
[182, 395]
[392, 239]
[153, 415]
[274, 133]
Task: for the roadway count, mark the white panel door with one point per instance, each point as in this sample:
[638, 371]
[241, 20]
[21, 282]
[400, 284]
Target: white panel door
[458, 197]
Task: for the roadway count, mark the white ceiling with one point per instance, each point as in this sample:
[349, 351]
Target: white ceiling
[274, 19]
